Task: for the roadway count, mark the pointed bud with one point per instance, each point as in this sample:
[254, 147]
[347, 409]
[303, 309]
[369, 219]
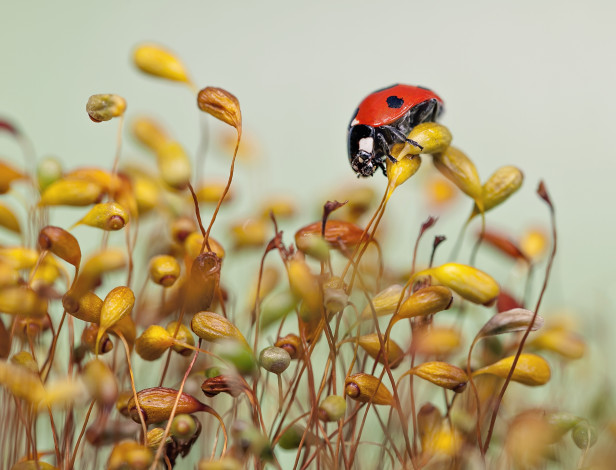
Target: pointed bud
[460, 170]
[332, 408]
[274, 359]
[149, 133]
[61, 243]
[164, 270]
[442, 374]
[118, 303]
[370, 343]
[100, 382]
[530, 370]
[292, 344]
[8, 220]
[214, 327]
[433, 137]
[367, 388]
[426, 301]
[399, 172]
[71, 192]
[222, 105]
[468, 282]
[159, 62]
[105, 107]
[153, 343]
[156, 404]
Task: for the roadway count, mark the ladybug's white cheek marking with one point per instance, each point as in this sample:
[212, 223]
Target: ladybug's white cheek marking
[355, 122]
[366, 144]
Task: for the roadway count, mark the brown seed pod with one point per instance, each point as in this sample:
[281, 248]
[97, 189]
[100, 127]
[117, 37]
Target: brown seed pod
[340, 235]
[367, 388]
[202, 282]
[222, 105]
[230, 384]
[88, 339]
[292, 344]
[156, 404]
[61, 243]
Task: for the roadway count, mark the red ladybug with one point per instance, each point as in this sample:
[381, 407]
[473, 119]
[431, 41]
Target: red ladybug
[385, 118]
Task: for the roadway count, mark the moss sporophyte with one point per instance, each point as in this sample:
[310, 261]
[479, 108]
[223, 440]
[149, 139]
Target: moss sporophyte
[127, 341]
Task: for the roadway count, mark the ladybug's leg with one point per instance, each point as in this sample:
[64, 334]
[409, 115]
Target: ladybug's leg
[401, 137]
[382, 166]
[382, 142]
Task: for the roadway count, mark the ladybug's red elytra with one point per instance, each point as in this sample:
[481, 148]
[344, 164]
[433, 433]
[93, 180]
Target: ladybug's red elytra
[385, 118]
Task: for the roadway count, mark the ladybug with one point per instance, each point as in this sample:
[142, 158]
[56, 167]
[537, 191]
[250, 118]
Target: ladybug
[385, 118]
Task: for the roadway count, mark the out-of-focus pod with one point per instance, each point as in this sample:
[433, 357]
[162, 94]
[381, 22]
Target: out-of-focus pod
[530, 370]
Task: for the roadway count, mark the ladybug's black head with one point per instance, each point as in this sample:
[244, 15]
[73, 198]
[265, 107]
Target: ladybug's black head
[361, 149]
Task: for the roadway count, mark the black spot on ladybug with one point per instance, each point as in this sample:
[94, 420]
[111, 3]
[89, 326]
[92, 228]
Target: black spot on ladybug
[394, 102]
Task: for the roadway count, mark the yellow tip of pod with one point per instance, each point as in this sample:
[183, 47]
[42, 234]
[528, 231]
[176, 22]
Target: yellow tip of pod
[159, 62]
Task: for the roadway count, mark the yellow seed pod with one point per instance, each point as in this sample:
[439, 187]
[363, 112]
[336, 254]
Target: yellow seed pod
[109, 216]
[442, 374]
[118, 303]
[21, 382]
[164, 270]
[8, 219]
[561, 341]
[332, 408]
[503, 183]
[399, 172]
[173, 165]
[370, 343]
[129, 455]
[149, 133]
[25, 359]
[100, 382]
[9, 275]
[127, 328]
[8, 174]
[460, 170]
[214, 327]
[23, 301]
[426, 301]
[71, 192]
[48, 271]
[153, 342]
[60, 243]
[159, 62]
[385, 302]
[156, 404]
[222, 105]
[194, 241]
[530, 370]
[104, 107]
[269, 280]
[146, 193]
[304, 284]
[225, 463]
[211, 192]
[33, 465]
[87, 307]
[183, 336]
[438, 341]
[433, 137]
[98, 264]
[110, 183]
[468, 282]
[249, 233]
[19, 257]
[154, 437]
[360, 200]
[529, 440]
[429, 423]
[281, 207]
[439, 191]
[367, 388]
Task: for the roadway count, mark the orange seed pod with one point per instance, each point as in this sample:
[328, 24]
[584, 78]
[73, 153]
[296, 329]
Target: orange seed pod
[61, 243]
[222, 105]
[340, 235]
[8, 220]
[156, 404]
[442, 374]
[8, 174]
[292, 344]
[370, 343]
[88, 340]
[159, 62]
[164, 270]
[105, 107]
[426, 301]
[367, 388]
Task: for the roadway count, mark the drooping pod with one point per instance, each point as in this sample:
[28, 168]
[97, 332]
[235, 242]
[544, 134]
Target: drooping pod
[157, 61]
[61, 243]
[367, 388]
[109, 216]
[214, 327]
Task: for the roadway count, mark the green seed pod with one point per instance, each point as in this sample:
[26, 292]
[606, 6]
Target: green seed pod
[239, 355]
[332, 408]
[105, 107]
[183, 426]
[584, 435]
[292, 437]
[274, 359]
[48, 170]
[212, 372]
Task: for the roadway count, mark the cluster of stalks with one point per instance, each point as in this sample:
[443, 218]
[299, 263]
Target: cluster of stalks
[331, 360]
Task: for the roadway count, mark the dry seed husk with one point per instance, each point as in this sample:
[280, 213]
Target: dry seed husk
[221, 104]
[340, 235]
[202, 282]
